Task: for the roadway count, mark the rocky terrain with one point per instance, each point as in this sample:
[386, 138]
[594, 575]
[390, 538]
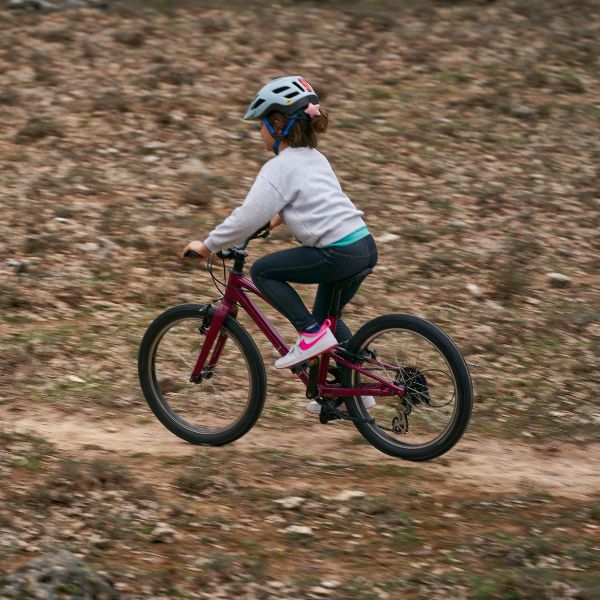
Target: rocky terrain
[467, 132]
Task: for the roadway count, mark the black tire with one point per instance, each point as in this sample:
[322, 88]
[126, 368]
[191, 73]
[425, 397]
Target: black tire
[238, 342]
[436, 343]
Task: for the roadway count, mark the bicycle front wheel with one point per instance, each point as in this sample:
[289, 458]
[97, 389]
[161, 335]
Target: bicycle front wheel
[229, 400]
[434, 411]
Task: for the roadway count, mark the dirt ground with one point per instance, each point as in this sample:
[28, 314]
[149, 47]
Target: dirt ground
[467, 133]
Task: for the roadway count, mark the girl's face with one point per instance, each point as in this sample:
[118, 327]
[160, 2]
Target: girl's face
[268, 139]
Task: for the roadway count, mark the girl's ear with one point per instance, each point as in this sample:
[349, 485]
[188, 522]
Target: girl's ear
[278, 123]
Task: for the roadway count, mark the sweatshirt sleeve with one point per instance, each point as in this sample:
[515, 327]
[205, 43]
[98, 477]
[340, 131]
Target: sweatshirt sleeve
[262, 202]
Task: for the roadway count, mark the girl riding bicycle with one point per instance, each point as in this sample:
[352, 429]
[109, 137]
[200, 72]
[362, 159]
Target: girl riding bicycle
[298, 187]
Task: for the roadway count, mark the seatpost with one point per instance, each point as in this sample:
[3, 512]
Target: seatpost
[334, 304]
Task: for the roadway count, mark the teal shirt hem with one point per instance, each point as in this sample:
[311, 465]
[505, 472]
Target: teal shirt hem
[359, 234]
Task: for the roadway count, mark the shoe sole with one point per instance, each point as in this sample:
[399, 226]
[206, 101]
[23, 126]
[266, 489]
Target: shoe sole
[344, 410]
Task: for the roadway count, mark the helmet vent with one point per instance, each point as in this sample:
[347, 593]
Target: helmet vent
[280, 89]
[298, 85]
[292, 94]
[258, 103]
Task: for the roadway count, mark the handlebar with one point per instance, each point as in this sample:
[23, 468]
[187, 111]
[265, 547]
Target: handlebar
[263, 232]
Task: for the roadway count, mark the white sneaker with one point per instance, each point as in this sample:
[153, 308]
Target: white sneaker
[308, 345]
[314, 408]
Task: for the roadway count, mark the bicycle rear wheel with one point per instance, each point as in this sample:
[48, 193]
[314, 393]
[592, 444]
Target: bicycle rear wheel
[433, 414]
[229, 400]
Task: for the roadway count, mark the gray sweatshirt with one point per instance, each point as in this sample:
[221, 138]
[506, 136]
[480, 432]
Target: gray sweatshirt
[301, 184]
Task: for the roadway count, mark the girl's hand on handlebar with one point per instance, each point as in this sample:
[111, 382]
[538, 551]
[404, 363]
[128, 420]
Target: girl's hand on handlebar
[196, 246]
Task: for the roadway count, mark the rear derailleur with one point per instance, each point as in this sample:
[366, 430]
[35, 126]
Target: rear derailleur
[400, 421]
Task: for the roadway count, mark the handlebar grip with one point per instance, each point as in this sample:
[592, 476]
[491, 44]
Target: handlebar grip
[224, 254]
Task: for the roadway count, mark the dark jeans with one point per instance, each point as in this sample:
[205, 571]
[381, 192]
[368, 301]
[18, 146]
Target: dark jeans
[271, 274]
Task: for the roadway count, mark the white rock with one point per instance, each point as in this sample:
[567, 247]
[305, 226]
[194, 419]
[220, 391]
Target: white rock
[320, 591]
[162, 533]
[193, 166]
[177, 116]
[299, 529]
[387, 237]
[90, 247]
[75, 379]
[349, 495]
[154, 145]
[290, 502]
[558, 280]
[474, 290]
[330, 584]
[276, 584]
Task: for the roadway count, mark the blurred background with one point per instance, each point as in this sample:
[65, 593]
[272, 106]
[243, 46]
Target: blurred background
[466, 131]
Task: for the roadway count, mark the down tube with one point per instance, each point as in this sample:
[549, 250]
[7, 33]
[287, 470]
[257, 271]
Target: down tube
[258, 316]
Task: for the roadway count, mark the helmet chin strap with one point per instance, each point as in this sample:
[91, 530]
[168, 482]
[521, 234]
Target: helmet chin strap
[279, 136]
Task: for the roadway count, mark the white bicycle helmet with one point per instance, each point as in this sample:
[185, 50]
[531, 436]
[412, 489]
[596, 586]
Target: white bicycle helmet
[284, 94]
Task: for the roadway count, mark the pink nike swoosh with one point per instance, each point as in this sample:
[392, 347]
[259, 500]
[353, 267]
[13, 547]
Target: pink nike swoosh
[308, 346]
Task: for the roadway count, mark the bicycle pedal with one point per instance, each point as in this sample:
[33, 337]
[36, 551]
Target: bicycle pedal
[299, 368]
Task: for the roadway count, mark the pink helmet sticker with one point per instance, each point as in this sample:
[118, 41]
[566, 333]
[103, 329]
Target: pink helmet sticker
[305, 84]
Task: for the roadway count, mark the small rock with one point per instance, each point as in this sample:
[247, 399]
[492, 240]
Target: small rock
[177, 116]
[457, 224]
[558, 280]
[90, 247]
[276, 584]
[17, 265]
[108, 246]
[43, 576]
[32, 4]
[320, 591]
[330, 584]
[154, 145]
[163, 534]
[290, 502]
[99, 541]
[193, 166]
[75, 379]
[474, 290]
[349, 495]
[299, 530]
[522, 111]
[387, 237]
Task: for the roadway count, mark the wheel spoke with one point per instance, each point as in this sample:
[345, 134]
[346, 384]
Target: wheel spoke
[217, 403]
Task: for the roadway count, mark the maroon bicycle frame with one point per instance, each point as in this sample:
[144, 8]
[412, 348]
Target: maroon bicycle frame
[236, 294]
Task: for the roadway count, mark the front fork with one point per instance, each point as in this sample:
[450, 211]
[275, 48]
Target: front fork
[212, 326]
